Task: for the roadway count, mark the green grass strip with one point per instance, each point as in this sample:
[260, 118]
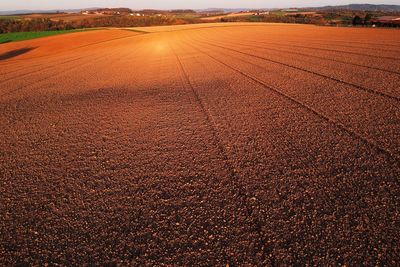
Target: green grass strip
[21, 36]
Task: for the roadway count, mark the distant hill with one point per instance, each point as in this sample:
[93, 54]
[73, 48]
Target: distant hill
[357, 7]
[224, 10]
[362, 7]
[22, 12]
[145, 11]
[118, 9]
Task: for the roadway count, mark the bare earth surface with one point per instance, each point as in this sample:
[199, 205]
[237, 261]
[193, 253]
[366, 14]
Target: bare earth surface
[229, 144]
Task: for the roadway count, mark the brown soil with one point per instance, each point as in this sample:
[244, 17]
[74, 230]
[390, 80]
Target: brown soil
[256, 145]
[46, 47]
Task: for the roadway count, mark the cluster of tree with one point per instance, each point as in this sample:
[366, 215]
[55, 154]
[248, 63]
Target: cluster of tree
[128, 21]
[322, 18]
[276, 19]
[44, 24]
[357, 20]
[152, 11]
[183, 11]
[37, 24]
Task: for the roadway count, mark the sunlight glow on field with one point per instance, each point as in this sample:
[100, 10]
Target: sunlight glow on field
[160, 47]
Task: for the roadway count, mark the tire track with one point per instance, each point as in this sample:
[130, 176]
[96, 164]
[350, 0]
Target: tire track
[331, 50]
[308, 55]
[368, 43]
[78, 47]
[359, 47]
[24, 68]
[359, 87]
[39, 70]
[300, 44]
[319, 57]
[69, 50]
[39, 63]
[50, 77]
[339, 51]
[114, 52]
[51, 66]
[310, 109]
[365, 45]
[327, 42]
[234, 175]
[354, 42]
[380, 139]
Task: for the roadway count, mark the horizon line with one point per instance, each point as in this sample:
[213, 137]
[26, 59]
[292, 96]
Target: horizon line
[163, 9]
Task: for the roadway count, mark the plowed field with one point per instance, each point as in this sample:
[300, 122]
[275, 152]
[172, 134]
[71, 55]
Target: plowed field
[202, 145]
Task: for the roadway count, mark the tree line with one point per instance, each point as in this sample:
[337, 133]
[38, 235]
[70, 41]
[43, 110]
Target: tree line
[45, 24]
[276, 19]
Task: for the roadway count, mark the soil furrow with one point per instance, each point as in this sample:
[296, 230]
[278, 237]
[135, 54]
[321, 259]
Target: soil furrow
[369, 120]
[108, 54]
[339, 125]
[75, 48]
[380, 81]
[312, 72]
[167, 150]
[341, 51]
[357, 47]
[378, 45]
[251, 44]
[45, 59]
[234, 175]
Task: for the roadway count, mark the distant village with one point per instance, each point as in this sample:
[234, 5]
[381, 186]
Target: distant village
[321, 17]
[119, 11]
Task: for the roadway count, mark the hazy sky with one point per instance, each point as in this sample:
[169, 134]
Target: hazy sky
[171, 4]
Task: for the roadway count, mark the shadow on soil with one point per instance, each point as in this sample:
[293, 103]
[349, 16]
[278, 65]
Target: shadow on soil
[134, 30]
[14, 53]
